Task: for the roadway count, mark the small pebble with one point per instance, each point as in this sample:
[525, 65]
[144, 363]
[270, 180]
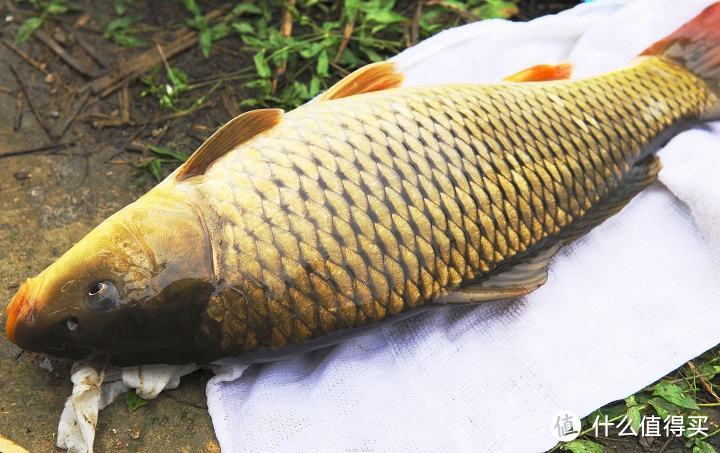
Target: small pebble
[22, 175]
[46, 365]
[55, 114]
[82, 20]
[50, 78]
[59, 36]
[9, 19]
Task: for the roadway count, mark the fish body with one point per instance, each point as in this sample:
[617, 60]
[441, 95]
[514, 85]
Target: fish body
[290, 231]
[355, 210]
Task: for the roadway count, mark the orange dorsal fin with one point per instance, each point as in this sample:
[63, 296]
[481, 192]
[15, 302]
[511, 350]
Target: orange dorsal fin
[235, 132]
[542, 73]
[373, 77]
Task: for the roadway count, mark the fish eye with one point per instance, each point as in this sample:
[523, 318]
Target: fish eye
[102, 296]
[72, 324]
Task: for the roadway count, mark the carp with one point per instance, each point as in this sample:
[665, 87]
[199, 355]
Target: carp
[286, 232]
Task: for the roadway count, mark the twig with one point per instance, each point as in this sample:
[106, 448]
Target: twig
[160, 52]
[174, 115]
[178, 42]
[86, 46]
[339, 68]
[79, 104]
[52, 147]
[125, 104]
[415, 27]
[228, 102]
[703, 381]
[42, 67]
[468, 17]
[113, 122]
[34, 109]
[667, 442]
[185, 402]
[346, 34]
[124, 120]
[5, 90]
[19, 108]
[66, 57]
[286, 27]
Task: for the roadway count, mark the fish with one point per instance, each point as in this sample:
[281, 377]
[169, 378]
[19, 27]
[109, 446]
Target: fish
[290, 231]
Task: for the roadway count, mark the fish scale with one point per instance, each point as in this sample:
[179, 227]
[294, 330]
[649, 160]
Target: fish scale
[359, 209]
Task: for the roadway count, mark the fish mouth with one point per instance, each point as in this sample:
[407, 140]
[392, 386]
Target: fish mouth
[19, 306]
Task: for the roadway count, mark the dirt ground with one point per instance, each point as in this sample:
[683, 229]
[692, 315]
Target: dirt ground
[49, 200]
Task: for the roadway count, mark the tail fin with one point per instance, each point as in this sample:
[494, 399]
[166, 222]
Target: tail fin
[696, 46]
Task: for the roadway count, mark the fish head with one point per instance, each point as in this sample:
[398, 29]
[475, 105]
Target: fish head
[132, 291]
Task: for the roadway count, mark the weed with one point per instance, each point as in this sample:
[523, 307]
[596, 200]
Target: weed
[153, 165]
[681, 394]
[206, 33]
[133, 401]
[31, 24]
[118, 30]
[339, 35]
[329, 39]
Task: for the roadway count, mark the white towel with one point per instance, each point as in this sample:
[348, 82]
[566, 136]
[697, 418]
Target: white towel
[622, 307]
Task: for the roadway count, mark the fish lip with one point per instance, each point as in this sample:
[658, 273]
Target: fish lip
[14, 309]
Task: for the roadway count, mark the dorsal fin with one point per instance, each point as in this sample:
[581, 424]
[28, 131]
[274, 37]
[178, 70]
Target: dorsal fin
[542, 73]
[236, 131]
[372, 77]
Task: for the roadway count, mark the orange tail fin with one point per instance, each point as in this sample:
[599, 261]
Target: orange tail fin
[696, 46]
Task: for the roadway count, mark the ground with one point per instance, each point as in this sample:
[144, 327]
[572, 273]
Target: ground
[50, 199]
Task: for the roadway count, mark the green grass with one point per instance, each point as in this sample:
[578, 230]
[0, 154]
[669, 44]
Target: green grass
[329, 39]
[683, 393]
[45, 9]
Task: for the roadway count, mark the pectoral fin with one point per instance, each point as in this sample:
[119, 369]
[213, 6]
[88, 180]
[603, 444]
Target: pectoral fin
[515, 280]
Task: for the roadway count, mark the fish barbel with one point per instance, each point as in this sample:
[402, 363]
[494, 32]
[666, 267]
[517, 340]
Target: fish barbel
[290, 231]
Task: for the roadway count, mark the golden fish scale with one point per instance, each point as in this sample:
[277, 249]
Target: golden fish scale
[354, 210]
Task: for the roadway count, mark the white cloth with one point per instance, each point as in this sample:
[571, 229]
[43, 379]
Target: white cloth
[95, 389]
[622, 307]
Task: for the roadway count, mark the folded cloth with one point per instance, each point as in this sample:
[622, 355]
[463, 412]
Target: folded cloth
[622, 307]
[95, 389]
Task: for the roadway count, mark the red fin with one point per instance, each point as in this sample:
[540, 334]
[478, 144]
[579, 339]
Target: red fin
[695, 45]
[542, 73]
